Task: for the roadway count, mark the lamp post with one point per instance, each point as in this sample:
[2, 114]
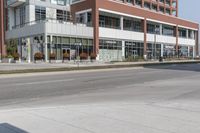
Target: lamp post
[78, 44]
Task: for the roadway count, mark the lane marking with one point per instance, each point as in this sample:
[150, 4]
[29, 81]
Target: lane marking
[43, 82]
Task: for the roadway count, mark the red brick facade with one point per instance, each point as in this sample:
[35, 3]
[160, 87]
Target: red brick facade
[2, 31]
[122, 7]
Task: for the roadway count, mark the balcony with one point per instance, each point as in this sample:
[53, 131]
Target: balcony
[49, 26]
[15, 3]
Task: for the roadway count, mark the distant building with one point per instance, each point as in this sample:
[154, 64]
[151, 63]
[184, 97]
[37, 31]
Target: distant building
[113, 30]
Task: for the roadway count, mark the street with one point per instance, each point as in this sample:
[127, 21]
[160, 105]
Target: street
[154, 99]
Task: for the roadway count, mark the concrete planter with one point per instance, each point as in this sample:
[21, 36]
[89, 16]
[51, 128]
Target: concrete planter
[8, 60]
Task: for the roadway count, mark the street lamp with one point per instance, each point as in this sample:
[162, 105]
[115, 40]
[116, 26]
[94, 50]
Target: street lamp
[78, 44]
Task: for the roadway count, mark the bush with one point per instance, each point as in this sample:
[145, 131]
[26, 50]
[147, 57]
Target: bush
[38, 56]
[93, 56]
[52, 56]
[16, 56]
[83, 56]
[66, 56]
[9, 56]
[132, 59]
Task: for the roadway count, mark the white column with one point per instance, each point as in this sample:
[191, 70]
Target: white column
[187, 33]
[28, 50]
[51, 40]
[162, 50]
[86, 18]
[122, 22]
[194, 51]
[160, 29]
[46, 47]
[123, 50]
[188, 51]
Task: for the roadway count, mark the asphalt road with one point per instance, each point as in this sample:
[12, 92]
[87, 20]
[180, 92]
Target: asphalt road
[165, 95]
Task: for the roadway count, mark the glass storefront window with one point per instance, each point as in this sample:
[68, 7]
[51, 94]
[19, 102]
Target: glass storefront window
[169, 51]
[153, 51]
[60, 45]
[134, 49]
[183, 51]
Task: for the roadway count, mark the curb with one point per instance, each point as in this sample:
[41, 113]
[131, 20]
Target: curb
[95, 67]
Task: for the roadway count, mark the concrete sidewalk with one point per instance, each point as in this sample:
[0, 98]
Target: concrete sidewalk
[127, 117]
[37, 66]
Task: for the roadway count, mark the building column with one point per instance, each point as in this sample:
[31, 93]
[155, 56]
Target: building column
[123, 50]
[194, 52]
[177, 36]
[162, 50]
[28, 49]
[19, 49]
[142, 3]
[160, 29]
[187, 33]
[95, 20]
[2, 30]
[145, 37]
[46, 52]
[86, 18]
[176, 8]
[196, 43]
[45, 44]
[122, 22]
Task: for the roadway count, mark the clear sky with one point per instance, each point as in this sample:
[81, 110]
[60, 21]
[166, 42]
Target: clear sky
[190, 9]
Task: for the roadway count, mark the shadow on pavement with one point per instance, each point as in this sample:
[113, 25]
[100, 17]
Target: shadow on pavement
[8, 128]
[178, 67]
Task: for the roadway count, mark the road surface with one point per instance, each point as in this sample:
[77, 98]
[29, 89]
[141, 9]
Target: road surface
[159, 99]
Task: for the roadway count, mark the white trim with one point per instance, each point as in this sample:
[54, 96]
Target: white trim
[83, 11]
[77, 2]
[187, 27]
[119, 13]
[161, 22]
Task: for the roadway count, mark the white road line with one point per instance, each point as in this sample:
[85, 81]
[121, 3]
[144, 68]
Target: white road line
[43, 82]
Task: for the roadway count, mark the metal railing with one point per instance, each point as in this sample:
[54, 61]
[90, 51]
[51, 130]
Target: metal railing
[51, 20]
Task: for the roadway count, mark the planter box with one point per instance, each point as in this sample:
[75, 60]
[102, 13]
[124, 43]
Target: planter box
[38, 61]
[8, 60]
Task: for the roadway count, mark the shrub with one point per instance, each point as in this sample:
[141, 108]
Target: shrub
[9, 56]
[52, 56]
[93, 56]
[66, 56]
[38, 56]
[83, 56]
[16, 56]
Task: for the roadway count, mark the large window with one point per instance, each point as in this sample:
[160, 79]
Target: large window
[153, 51]
[63, 15]
[40, 13]
[132, 24]
[168, 30]
[110, 44]
[109, 21]
[134, 49]
[153, 28]
[182, 33]
[22, 15]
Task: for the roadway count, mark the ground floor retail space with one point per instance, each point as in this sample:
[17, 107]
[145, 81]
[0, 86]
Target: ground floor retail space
[109, 50]
[112, 50]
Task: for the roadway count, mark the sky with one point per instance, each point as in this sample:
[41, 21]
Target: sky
[190, 9]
